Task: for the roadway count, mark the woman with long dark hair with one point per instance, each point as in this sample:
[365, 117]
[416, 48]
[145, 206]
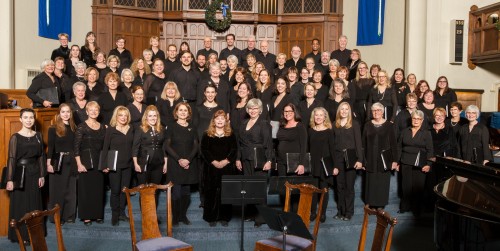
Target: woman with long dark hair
[444, 95]
[88, 51]
[310, 102]
[219, 150]
[61, 164]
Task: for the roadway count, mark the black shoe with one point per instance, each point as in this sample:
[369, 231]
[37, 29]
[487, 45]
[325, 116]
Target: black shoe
[401, 211]
[26, 243]
[70, 221]
[322, 219]
[87, 223]
[257, 224]
[123, 218]
[115, 221]
[62, 223]
[186, 221]
[99, 221]
[338, 217]
[224, 223]
[313, 217]
[249, 219]
[212, 223]
[347, 218]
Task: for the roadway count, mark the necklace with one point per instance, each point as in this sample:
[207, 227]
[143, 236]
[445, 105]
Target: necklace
[182, 123]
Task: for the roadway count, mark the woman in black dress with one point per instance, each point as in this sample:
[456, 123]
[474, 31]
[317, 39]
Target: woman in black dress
[73, 59]
[222, 87]
[296, 85]
[310, 102]
[354, 63]
[321, 146]
[455, 121]
[280, 99]
[182, 148]
[347, 138]
[111, 99]
[170, 97]
[87, 147]
[79, 103]
[473, 139]
[444, 95]
[254, 141]
[136, 108]
[338, 94]
[140, 70]
[398, 82]
[421, 88]
[126, 84]
[427, 107]
[25, 153]
[385, 94]
[154, 41]
[265, 91]
[90, 48]
[94, 87]
[321, 89]
[148, 154]
[333, 66]
[154, 83]
[61, 164]
[378, 137]
[119, 137]
[238, 112]
[219, 150]
[415, 148]
[360, 91]
[44, 80]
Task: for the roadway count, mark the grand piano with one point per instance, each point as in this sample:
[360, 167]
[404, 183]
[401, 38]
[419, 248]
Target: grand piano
[467, 212]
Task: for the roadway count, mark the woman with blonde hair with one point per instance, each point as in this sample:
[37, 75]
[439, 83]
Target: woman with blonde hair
[154, 41]
[360, 91]
[140, 69]
[321, 146]
[384, 94]
[169, 98]
[347, 134]
[154, 82]
[118, 140]
[113, 65]
[61, 164]
[219, 150]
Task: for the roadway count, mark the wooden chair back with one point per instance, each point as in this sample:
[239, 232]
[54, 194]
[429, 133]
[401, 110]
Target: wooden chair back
[34, 222]
[384, 220]
[307, 191]
[150, 228]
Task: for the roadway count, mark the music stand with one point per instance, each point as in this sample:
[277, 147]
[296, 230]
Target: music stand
[277, 183]
[242, 190]
[285, 222]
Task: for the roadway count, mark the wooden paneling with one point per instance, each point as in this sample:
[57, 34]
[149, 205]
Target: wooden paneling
[136, 31]
[10, 124]
[301, 35]
[469, 97]
[19, 95]
[483, 36]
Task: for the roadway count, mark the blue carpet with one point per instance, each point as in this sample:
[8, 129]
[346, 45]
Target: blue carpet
[409, 233]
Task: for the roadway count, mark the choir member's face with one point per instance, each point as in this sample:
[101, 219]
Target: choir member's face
[152, 118]
[239, 77]
[64, 41]
[231, 64]
[296, 52]
[338, 88]
[374, 72]
[377, 113]
[100, 58]
[243, 91]
[416, 121]
[317, 77]
[140, 64]
[80, 70]
[412, 79]
[281, 60]
[354, 56]
[112, 84]
[362, 70]
[122, 118]
[207, 42]
[127, 77]
[220, 122]
[325, 57]
[171, 92]
[59, 64]
[49, 68]
[65, 113]
[424, 87]
[429, 98]
[281, 86]
[288, 113]
[158, 66]
[138, 95]
[411, 103]
[147, 55]
[382, 78]
[200, 59]
[113, 63]
[442, 83]
[182, 112]
[184, 47]
[79, 92]
[75, 51]
[332, 67]
[319, 117]
[264, 77]
[251, 43]
[344, 111]
[154, 42]
[172, 52]
[310, 64]
[120, 43]
[439, 117]
[253, 112]
[212, 59]
[398, 76]
[91, 38]
[93, 112]
[223, 65]
[343, 74]
[455, 112]
[215, 71]
[315, 45]
[210, 94]
[251, 61]
[92, 76]
[292, 77]
[342, 43]
[304, 74]
[471, 115]
[27, 119]
[264, 46]
[230, 41]
[186, 59]
[258, 68]
[310, 91]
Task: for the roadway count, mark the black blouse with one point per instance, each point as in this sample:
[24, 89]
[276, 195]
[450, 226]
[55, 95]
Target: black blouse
[444, 142]
[348, 138]
[411, 147]
[321, 145]
[116, 140]
[150, 143]
[166, 110]
[388, 98]
[292, 140]
[108, 105]
[58, 144]
[473, 145]
[445, 100]
[153, 87]
[259, 135]
[42, 81]
[276, 111]
[377, 138]
[306, 112]
[21, 147]
[135, 114]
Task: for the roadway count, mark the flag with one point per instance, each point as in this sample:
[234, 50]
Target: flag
[54, 17]
[371, 22]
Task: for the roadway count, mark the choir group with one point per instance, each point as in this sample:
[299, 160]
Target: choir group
[192, 118]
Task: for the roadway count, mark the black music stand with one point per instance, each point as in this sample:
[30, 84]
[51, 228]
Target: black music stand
[242, 190]
[277, 183]
[285, 222]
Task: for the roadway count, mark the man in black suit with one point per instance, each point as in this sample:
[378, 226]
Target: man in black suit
[342, 54]
[266, 57]
[296, 60]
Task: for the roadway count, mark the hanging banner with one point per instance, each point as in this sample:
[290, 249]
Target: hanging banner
[54, 17]
[371, 22]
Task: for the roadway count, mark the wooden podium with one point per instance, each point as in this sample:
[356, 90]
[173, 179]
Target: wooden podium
[10, 124]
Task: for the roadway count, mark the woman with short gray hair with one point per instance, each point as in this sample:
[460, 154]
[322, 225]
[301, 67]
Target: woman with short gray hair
[47, 82]
[473, 139]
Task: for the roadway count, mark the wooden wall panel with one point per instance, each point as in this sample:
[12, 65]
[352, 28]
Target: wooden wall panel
[136, 31]
[301, 35]
[469, 97]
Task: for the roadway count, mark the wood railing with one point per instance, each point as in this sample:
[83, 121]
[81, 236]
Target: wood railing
[484, 35]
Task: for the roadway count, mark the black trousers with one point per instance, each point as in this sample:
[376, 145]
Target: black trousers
[413, 182]
[153, 174]
[345, 189]
[322, 183]
[62, 189]
[117, 181]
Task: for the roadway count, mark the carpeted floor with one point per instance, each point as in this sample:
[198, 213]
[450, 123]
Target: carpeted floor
[410, 233]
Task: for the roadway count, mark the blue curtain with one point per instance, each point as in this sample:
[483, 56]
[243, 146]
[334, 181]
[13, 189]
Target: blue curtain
[371, 22]
[54, 17]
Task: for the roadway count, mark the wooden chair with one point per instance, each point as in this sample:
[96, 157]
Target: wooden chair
[307, 192]
[34, 222]
[151, 236]
[383, 220]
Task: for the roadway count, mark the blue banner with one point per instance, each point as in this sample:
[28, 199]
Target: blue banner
[371, 22]
[54, 17]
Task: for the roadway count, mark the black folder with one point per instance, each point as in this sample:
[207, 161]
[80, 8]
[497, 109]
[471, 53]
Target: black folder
[259, 158]
[87, 159]
[50, 94]
[57, 162]
[386, 156]
[292, 162]
[110, 161]
[350, 157]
